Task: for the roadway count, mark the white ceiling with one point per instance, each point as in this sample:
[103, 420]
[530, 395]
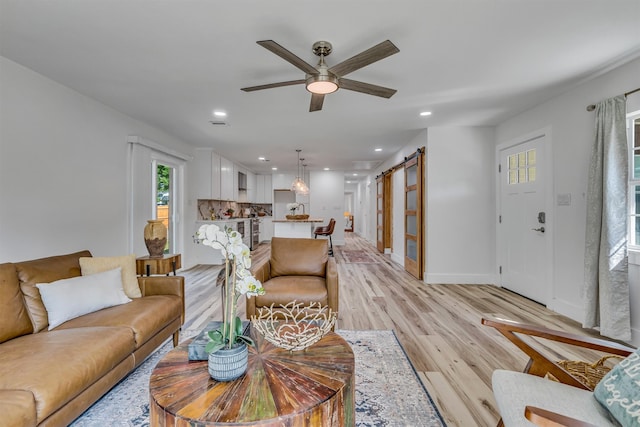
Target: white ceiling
[171, 63]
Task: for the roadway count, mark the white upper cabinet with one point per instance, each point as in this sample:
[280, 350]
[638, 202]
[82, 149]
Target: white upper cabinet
[282, 181]
[226, 179]
[264, 190]
[200, 188]
[215, 176]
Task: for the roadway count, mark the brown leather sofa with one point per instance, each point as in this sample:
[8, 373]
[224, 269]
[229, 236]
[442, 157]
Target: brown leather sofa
[49, 378]
[298, 269]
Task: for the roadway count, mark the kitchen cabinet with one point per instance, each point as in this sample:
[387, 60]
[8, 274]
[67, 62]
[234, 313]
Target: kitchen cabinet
[264, 190]
[266, 228]
[201, 174]
[215, 176]
[282, 181]
[251, 187]
[226, 180]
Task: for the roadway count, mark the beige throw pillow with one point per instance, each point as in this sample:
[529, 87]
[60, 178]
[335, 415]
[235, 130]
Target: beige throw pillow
[70, 298]
[93, 265]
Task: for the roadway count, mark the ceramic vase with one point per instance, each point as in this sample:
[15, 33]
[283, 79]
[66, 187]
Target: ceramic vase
[228, 364]
[155, 237]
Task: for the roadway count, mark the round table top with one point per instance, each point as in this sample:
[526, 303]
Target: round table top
[316, 385]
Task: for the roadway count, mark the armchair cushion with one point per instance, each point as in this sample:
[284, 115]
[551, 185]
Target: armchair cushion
[619, 390]
[284, 289]
[514, 391]
[298, 257]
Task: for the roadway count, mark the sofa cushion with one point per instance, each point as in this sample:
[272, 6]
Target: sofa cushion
[18, 408]
[45, 270]
[298, 257]
[14, 319]
[619, 390]
[55, 366]
[93, 265]
[515, 390]
[88, 293]
[144, 316]
[284, 289]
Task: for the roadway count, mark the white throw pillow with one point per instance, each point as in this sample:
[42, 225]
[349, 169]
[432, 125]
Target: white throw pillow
[93, 265]
[67, 299]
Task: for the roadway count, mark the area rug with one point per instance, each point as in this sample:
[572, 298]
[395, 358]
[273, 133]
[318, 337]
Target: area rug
[358, 257]
[388, 391]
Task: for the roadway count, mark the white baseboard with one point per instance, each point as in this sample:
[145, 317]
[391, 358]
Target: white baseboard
[571, 310]
[397, 259]
[464, 279]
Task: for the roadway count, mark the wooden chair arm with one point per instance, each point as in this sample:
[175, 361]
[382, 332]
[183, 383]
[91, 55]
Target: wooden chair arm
[539, 364]
[544, 418]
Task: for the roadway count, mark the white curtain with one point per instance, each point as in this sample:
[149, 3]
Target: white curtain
[606, 291]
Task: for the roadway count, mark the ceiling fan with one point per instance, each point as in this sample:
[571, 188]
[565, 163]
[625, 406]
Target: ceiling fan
[322, 80]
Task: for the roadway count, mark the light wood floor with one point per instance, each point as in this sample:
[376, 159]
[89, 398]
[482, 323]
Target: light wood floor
[438, 325]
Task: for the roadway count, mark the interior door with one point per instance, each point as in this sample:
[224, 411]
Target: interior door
[380, 213]
[413, 218]
[523, 228]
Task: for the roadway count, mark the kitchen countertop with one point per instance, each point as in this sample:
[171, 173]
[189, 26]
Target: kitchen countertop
[300, 220]
[205, 221]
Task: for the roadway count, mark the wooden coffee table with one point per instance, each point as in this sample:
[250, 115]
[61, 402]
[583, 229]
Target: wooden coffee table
[314, 387]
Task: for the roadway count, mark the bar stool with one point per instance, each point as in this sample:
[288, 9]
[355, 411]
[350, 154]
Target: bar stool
[326, 231]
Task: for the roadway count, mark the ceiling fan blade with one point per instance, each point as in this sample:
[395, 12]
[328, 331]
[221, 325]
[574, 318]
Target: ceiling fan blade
[367, 88]
[316, 102]
[272, 85]
[369, 56]
[288, 56]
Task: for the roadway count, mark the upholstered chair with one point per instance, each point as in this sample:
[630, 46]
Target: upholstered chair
[298, 269]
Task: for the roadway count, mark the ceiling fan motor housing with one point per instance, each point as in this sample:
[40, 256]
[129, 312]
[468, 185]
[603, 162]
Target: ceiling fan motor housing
[322, 48]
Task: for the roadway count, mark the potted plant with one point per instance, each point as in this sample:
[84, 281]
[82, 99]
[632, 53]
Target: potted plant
[227, 348]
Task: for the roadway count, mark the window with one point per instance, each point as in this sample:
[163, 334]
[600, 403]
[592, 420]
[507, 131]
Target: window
[522, 167]
[633, 137]
[164, 195]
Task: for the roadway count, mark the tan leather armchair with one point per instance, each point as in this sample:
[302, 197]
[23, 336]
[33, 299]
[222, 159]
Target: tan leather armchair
[298, 269]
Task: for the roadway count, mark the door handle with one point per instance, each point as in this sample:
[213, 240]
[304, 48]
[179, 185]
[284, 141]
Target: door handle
[541, 229]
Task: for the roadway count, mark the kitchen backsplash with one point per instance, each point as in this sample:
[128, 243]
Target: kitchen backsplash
[216, 209]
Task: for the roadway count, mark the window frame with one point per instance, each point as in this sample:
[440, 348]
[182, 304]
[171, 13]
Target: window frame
[633, 182]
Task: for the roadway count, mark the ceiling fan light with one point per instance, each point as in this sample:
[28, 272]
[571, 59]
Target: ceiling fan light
[322, 84]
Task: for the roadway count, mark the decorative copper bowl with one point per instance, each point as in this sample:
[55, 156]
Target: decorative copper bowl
[292, 326]
[298, 217]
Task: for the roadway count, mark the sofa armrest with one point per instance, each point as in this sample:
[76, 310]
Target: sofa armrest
[539, 364]
[333, 296]
[544, 418]
[163, 285]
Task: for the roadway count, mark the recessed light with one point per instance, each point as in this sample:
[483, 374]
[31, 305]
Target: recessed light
[327, 169]
[355, 174]
[274, 169]
[378, 149]
[262, 159]
[220, 114]
[425, 113]
[348, 182]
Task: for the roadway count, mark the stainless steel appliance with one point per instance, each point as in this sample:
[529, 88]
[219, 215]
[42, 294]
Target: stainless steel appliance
[255, 233]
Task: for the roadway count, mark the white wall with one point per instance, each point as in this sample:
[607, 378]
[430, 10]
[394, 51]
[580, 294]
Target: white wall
[572, 130]
[63, 169]
[326, 198]
[460, 205]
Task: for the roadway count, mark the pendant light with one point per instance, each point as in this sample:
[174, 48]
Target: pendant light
[304, 188]
[298, 185]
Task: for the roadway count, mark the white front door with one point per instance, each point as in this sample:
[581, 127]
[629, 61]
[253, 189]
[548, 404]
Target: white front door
[523, 230]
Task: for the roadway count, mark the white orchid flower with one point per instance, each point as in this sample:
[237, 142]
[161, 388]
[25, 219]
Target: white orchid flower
[249, 286]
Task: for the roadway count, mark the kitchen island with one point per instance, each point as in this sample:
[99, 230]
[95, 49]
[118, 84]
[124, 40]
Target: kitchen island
[300, 228]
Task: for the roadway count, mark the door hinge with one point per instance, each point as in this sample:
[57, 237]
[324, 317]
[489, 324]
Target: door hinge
[499, 219]
[500, 269]
[499, 168]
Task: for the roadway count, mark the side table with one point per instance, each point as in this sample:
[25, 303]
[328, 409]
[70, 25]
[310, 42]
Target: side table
[166, 264]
